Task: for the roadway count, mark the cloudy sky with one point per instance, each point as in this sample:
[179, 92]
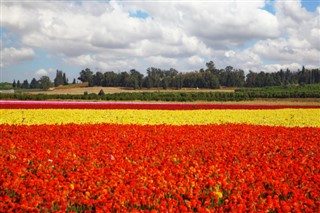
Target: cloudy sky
[38, 36]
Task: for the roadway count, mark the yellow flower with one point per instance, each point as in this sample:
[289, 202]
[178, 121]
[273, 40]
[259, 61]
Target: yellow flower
[219, 194]
[274, 117]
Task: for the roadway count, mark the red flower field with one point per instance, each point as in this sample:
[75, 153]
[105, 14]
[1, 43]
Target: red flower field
[159, 168]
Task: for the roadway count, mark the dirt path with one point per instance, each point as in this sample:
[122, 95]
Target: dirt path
[110, 90]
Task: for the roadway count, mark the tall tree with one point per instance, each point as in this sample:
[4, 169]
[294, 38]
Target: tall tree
[65, 80]
[155, 76]
[18, 84]
[111, 79]
[211, 67]
[45, 82]
[251, 79]
[86, 76]
[34, 84]
[178, 81]
[123, 79]
[14, 84]
[25, 84]
[135, 79]
[59, 78]
[98, 79]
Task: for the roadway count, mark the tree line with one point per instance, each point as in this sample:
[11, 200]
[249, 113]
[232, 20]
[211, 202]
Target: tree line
[209, 77]
[44, 82]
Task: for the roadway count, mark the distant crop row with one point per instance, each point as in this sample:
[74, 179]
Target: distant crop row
[173, 96]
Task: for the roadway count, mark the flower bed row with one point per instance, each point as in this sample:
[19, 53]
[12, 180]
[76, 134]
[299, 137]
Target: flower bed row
[137, 105]
[276, 117]
[127, 168]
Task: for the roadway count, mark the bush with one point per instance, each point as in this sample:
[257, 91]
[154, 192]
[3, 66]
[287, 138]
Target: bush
[101, 92]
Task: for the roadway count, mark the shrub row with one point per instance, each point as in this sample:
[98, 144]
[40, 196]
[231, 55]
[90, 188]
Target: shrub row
[143, 96]
[238, 95]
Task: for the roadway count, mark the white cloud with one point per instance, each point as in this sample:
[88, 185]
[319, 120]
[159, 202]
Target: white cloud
[291, 12]
[178, 34]
[13, 56]
[82, 60]
[299, 42]
[246, 60]
[162, 61]
[103, 62]
[18, 18]
[41, 72]
[47, 72]
[273, 67]
[230, 54]
[195, 60]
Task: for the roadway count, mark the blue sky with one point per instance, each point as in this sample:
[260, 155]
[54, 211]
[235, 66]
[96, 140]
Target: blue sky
[39, 37]
[310, 5]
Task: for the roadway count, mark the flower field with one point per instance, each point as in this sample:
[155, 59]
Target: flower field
[117, 157]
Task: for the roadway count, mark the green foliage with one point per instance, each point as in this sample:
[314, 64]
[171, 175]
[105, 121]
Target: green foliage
[60, 78]
[209, 77]
[101, 92]
[286, 91]
[6, 86]
[25, 84]
[143, 96]
[80, 208]
[87, 76]
[45, 82]
[34, 84]
[289, 91]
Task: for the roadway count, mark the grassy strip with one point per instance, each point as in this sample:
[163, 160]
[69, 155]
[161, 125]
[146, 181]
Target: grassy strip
[170, 96]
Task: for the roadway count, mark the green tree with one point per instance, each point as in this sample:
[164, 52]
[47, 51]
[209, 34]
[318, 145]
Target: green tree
[111, 79]
[86, 76]
[98, 79]
[251, 79]
[136, 79]
[14, 84]
[18, 84]
[211, 81]
[101, 92]
[211, 67]
[65, 80]
[177, 81]
[59, 78]
[25, 84]
[124, 79]
[154, 77]
[168, 78]
[45, 82]
[34, 84]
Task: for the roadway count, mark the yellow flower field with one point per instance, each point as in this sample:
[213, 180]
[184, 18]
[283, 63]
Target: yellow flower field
[275, 117]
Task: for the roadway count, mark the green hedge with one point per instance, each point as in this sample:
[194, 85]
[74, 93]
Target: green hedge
[143, 96]
[289, 91]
